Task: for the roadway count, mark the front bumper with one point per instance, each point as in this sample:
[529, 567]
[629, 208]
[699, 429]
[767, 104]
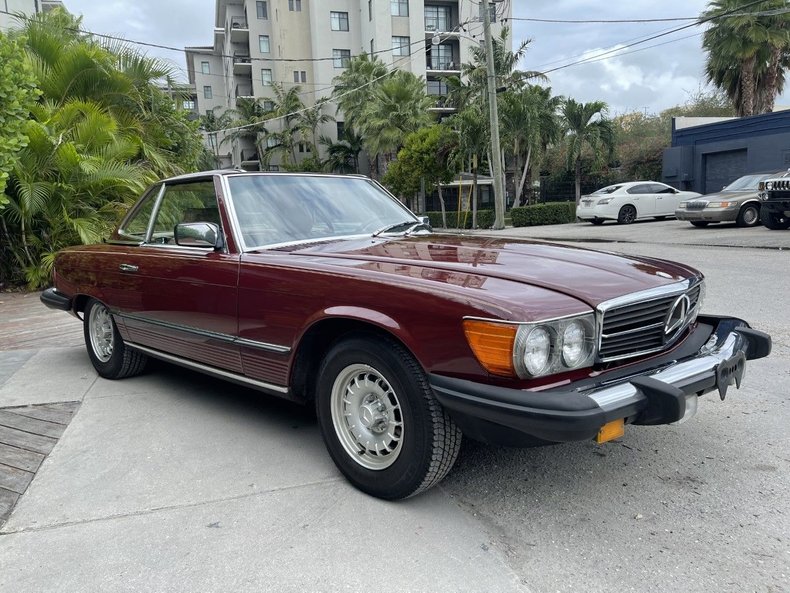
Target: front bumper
[652, 392]
[56, 300]
[708, 215]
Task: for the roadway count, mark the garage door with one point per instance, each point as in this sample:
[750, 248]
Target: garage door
[722, 168]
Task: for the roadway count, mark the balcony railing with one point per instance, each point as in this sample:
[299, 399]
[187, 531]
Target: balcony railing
[243, 91]
[238, 22]
[241, 59]
[442, 65]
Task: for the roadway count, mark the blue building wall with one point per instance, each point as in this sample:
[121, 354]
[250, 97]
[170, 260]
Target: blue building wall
[703, 158]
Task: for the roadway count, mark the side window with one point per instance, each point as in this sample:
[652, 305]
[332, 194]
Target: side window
[136, 226]
[184, 202]
[643, 188]
[660, 188]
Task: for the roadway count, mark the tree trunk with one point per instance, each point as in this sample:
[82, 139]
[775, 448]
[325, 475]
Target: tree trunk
[771, 80]
[523, 180]
[747, 87]
[474, 195]
[441, 204]
[516, 169]
[578, 179]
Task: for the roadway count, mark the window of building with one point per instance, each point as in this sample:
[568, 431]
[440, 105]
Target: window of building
[268, 105]
[341, 129]
[399, 7]
[341, 57]
[401, 46]
[303, 76]
[271, 141]
[438, 18]
[189, 104]
[442, 57]
[263, 44]
[300, 76]
[339, 21]
[263, 10]
[437, 87]
[205, 67]
[207, 92]
[266, 77]
[303, 147]
[295, 5]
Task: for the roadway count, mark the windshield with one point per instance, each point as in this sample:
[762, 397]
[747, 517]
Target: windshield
[747, 182]
[610, 189]
[273, 209]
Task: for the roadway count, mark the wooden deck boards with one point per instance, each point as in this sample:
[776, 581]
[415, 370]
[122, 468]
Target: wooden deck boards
[26, 324]
[27, 435]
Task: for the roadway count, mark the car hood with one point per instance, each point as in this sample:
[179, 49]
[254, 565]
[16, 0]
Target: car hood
[587, 275]
[728, 196]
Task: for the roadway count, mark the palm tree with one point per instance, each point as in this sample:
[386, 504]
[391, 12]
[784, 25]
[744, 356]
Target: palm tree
[246, 121]
[474, 141]
[748, 53]
[286, 109]
[586, 125]
[310, 120]
[397, 107]
[354, 86]
[343, 155]
[529, 124]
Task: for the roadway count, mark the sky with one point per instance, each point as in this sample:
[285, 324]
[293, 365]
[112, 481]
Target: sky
[649, 80]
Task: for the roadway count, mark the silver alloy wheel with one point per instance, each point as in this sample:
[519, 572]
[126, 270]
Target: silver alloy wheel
[367, 416]
[101, 332]
[750, 216]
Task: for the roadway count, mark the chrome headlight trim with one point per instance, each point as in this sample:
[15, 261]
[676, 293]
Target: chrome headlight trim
[555, 328]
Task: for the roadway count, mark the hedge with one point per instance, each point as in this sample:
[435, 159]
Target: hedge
[547, 213]
[485, 219]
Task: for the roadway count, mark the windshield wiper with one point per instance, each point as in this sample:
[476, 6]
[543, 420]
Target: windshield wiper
[411, 226]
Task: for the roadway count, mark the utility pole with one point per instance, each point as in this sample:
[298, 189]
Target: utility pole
[496, 151]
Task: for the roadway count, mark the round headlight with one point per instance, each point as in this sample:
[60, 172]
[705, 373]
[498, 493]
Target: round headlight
[537, 351]
[769, 185]
[574, 344]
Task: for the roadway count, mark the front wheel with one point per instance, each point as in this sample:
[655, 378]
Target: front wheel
[627, 214]
[774, 220]
[382, 425]
[109, 354]
[749, 215]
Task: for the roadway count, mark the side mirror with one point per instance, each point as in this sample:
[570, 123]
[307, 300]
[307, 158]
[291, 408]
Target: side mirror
[206, 235]
[426, 221]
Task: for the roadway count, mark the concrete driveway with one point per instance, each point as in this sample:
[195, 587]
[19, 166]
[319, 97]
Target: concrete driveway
[175, 482]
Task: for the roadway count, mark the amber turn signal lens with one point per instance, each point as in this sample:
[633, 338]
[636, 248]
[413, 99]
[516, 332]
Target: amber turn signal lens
[492, 344]
[610, 431]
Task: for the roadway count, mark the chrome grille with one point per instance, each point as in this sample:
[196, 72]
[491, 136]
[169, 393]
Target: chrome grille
[696, 205]
[639, 327]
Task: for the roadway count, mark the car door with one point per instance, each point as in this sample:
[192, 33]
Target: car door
[187, 301]
[641, 196]
[667, 199]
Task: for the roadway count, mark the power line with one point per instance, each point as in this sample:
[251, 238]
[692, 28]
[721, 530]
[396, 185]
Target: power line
[778, 11]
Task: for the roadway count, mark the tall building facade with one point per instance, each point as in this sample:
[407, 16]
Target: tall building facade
[307, 43]
[9, 8]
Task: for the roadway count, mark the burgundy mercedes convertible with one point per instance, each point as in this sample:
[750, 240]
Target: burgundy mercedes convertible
[325, 289]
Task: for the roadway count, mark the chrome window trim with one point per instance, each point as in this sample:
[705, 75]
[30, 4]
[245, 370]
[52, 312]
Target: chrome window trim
[222, 337]
[209, 370]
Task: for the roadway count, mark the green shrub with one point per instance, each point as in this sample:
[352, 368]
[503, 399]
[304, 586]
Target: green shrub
[548, 213]
[485, 219]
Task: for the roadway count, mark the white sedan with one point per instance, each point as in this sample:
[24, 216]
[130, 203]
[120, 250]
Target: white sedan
[627, 202]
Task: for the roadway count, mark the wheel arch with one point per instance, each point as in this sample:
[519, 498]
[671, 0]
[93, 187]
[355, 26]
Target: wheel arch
[324, 332]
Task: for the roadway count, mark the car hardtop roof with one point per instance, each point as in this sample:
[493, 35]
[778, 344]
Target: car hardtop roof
[235, 172]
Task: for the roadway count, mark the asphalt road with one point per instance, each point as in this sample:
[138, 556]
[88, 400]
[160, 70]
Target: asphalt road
[174, 482]
[692, 508]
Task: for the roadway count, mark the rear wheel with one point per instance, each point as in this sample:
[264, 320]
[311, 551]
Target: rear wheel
[700, 223]
[106, 349]
[627, 214]
[749, 215]
[774, 220]
[380, 421]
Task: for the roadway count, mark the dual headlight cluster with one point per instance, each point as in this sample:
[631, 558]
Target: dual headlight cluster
[775, 184]
[529, 350]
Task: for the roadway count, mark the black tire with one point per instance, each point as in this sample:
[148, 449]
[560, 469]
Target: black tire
[701, 224]
[773, 220]
[748, 215]
[627, 214]
[424, 438]
[118, 361]
[597, 221]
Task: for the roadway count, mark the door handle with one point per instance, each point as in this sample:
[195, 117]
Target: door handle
[128, 268]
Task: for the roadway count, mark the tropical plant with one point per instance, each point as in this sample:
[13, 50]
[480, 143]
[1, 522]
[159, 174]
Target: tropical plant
[247, 121]
[310, 120]
[748, 51]
[354, 86]
[586, 126]
[343, 155]
[474, 141]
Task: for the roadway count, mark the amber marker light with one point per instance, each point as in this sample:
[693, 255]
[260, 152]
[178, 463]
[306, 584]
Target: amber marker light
[492, 344]
[610, 431]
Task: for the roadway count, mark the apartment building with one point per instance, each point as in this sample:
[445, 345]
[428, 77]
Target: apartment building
[307, 43]
[10, 8]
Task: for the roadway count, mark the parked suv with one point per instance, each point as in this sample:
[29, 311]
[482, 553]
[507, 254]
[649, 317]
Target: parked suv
[738, 202]
[775, 202]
